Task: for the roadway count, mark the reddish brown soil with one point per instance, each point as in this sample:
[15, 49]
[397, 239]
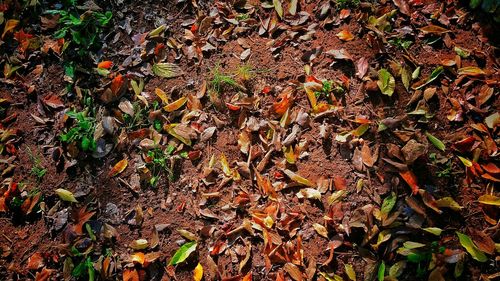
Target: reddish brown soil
[177, 203]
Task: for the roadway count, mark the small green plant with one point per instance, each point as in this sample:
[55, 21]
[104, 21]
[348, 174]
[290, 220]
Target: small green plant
[81, 29]
[158, 161]
[37, 168]
[329, 87]
[245, 72]
[347, 3]
[82, 131]
[445, 166]
[220, 79]
[401, 43]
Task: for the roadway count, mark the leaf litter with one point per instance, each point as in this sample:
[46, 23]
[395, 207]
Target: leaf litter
[267, 140]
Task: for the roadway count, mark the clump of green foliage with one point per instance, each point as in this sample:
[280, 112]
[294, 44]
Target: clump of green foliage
[347, 3]
[220, 79]
[81, 29]
[488, 6]
[37, 168]
[159, 162]
[82, 131]
[401, 43]
[445, 165]
[329, 87]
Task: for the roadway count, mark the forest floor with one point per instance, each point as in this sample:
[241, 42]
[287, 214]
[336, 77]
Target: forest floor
[249, 140]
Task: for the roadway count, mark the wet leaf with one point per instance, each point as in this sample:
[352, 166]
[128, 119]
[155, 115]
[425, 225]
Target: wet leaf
[471, 248]
[183, 253]
[167, 70]
[435, 141]
[66, 195]
[386, 82]
[118, 168]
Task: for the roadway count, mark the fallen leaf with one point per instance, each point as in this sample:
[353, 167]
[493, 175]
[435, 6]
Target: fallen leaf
[183, 253]
[321, 230]
[489, 200]
[118, 168]
[175, 104]
[66, 195]
[411, 180]
[386, 82]
[198, 272]
[298, 179]
[434, 29]
[471, 71]
[471, 248]
[345, 35]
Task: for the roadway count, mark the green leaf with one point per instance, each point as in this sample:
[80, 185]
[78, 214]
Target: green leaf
[388, 204]
[278, 8]
[397, 269]
[461, 52]
[473, 250]
[66, 195]
[435, 141]
[434, 75]
[405, 77]
[434, 230]
[167, 70]
[183, 253]
[386, 82]
[474, 3]
[381, 271]
[415, 73]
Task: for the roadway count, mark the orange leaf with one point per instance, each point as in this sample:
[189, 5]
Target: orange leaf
[35, 261]
[175, 104]
[138, 258]
[130, 275]
[107, 64]
[247, 277]
[117, 83]
[9, 26]
[44, 274]
[411, 180]
[284, 101]
[118, 168]
[233, 107]
[340, 183]
[345, 35]
[491, 168]
[82, 217]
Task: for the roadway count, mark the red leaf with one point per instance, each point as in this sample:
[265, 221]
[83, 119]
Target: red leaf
[411, 180]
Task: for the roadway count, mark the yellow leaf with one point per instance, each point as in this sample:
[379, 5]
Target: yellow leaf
[198, 272]
[321, 230]
[9, 26]
[350, 272]
[175, 105]
[162, 95]
[298, 179]
[118, 168]
[66, 195]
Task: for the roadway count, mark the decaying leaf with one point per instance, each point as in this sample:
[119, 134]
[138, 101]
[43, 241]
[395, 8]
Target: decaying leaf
[118, 168]
[167, 70]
